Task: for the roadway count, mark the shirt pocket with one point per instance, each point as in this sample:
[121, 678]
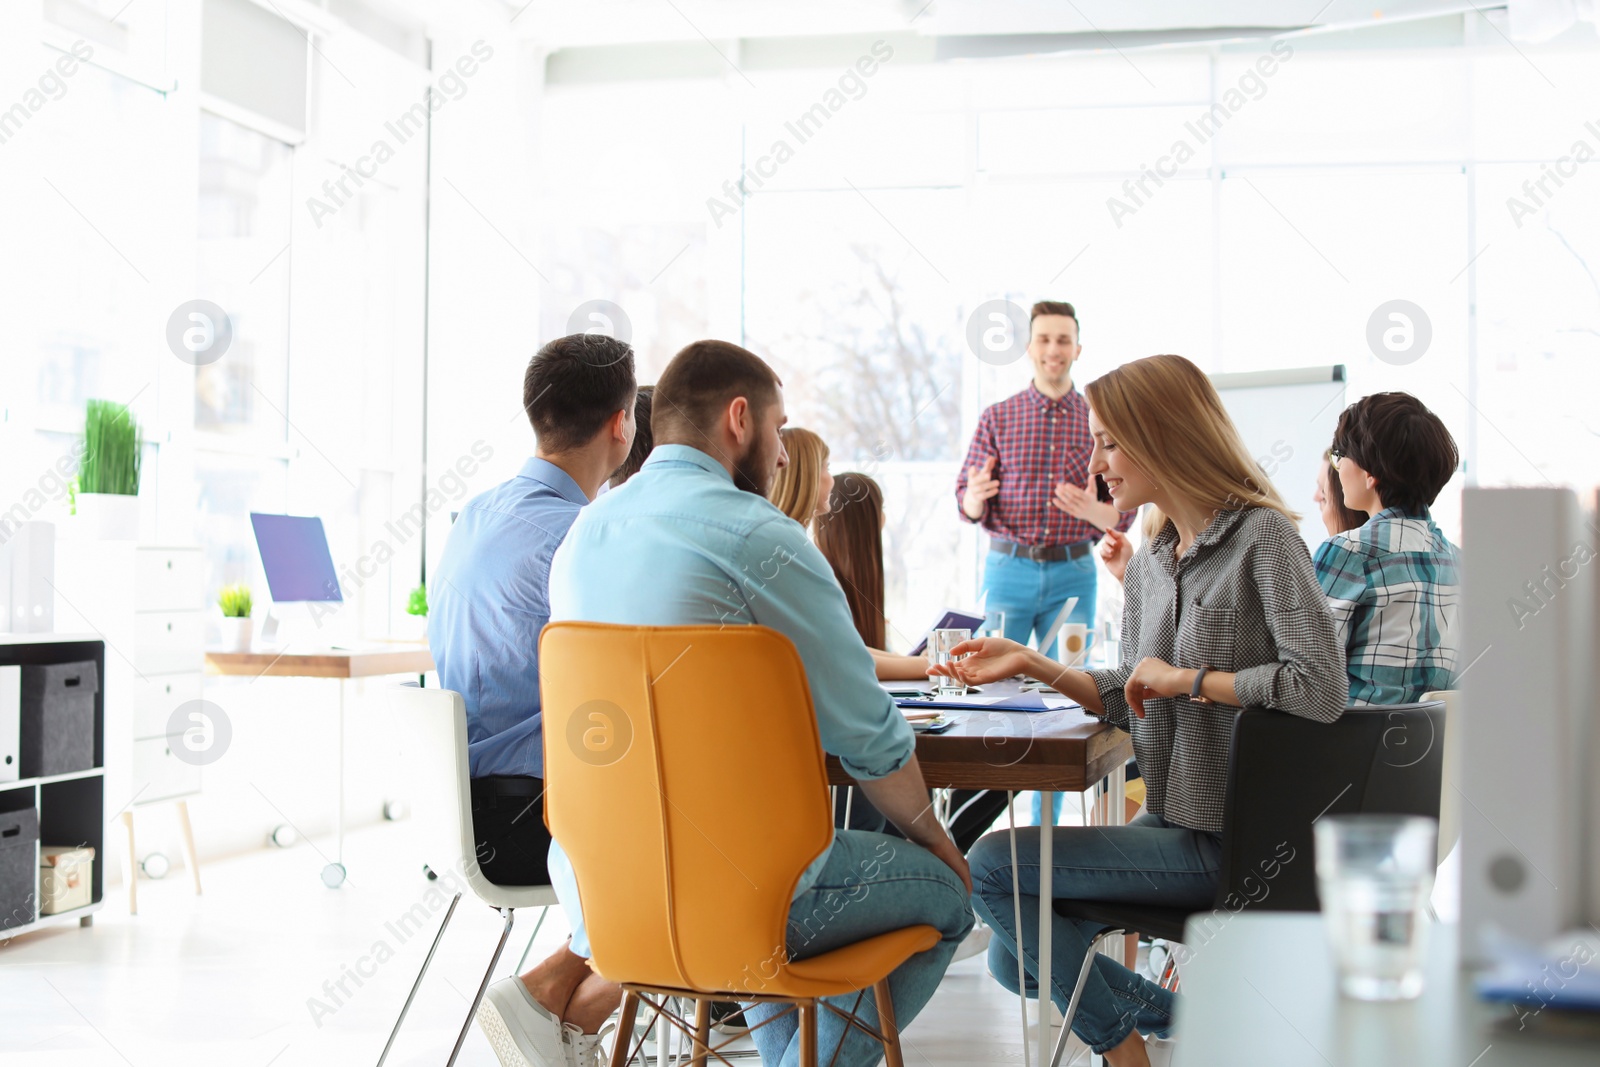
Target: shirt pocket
[1205, 638]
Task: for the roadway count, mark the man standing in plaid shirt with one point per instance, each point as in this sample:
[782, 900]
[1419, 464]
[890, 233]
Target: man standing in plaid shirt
[1026, 480]
[1393, 584]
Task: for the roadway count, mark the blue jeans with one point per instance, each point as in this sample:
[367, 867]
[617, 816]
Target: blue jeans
[870, 884]
[1031, 594]
[1149, 861]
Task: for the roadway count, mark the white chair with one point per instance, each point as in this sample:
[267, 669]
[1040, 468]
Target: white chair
[432, 726]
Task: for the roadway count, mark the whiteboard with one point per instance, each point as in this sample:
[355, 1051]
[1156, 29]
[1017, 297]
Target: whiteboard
[1287, 419]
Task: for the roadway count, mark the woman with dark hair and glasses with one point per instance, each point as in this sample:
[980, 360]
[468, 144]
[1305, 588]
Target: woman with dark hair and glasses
[1337, 516]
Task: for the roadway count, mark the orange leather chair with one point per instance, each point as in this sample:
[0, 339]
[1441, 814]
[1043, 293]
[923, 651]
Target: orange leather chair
[686, 784]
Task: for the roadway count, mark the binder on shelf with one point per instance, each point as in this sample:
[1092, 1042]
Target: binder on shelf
[10, 723]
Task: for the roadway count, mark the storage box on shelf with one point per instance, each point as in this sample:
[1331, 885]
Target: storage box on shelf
[149, 601]
[64, 809]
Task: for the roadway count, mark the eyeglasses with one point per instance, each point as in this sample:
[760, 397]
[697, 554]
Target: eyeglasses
[1335, 456]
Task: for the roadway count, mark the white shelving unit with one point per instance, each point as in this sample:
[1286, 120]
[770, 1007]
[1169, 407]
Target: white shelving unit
[71, 806]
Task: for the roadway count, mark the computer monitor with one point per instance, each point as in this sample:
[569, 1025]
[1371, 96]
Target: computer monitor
[295, 557]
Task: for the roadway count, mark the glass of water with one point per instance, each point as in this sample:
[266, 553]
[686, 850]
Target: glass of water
[940, 642]
[994, 624]
[1375, 875]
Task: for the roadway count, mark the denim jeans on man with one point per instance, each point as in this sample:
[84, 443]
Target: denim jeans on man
[871, 884]
[1031, 594]
[1149, 861]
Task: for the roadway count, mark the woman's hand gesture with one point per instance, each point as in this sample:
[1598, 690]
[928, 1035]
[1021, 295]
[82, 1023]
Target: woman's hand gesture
[988, 659]
[1115, 551]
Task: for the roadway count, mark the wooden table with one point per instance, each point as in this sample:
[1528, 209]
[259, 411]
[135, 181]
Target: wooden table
[1067, 750]
[342, 664]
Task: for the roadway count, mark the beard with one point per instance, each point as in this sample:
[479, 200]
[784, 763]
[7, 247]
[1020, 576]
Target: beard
[755, 468]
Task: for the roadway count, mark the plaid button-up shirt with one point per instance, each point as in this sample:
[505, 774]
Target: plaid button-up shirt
[1037, 443]
[1394, 588]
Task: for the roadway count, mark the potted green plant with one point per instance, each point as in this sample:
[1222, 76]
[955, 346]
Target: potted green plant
[415, 625]
[238, 628]
[105, 502]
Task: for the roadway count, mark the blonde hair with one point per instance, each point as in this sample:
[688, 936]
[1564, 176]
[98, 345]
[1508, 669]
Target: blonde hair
[1166, 416]
[794, 490]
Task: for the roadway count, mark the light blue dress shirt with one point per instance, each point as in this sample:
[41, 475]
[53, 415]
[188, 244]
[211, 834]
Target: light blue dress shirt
[680, 545]
[487, 601]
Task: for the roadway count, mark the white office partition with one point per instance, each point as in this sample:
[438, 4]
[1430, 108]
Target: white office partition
[1287, 418]
[1527, 683]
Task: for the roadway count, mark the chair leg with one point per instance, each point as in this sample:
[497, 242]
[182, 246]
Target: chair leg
[624, 1038]
[544, 911]
[131, 868]
[418, 983]
[190, 856]
[808, 1033]
[702, 1032]
[472, 1013]
[1077, 994]
[887, 1025]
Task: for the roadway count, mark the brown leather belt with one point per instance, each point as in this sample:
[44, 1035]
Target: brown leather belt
[1041, 553]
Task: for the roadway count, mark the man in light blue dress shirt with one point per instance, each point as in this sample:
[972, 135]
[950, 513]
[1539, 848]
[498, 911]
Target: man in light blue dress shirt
[692, 539]
[488, 600]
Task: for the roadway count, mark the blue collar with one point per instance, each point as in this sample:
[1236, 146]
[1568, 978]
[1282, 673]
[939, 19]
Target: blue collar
[686, 454]
[546, 473]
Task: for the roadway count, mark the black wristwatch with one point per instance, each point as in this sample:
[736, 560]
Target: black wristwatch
[1195, 696]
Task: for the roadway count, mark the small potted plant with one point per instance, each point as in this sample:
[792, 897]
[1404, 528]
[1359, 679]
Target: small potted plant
[237, 625]
[105, 499]
[416, 622]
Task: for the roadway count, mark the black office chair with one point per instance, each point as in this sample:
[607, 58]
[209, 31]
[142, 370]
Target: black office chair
[1284, 773]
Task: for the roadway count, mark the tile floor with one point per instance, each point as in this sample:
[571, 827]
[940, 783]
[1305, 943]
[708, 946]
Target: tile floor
[248, 974]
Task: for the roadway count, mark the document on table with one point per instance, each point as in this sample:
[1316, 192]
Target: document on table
[999, 696]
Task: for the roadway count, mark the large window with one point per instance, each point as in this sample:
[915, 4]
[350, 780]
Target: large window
[1346, 178]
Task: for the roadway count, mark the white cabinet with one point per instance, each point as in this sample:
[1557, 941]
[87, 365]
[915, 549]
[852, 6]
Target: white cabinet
[148, 601]
[162, 775]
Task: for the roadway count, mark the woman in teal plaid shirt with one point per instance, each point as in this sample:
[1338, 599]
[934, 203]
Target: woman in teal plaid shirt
[1393, 584]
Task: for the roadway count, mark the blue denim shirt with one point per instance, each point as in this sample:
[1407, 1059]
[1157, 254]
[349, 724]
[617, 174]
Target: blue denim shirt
[679, 545]
[487, 601]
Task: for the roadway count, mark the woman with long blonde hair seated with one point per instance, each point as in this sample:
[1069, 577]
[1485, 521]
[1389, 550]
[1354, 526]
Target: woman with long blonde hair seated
[1223, 611]
[803, 485]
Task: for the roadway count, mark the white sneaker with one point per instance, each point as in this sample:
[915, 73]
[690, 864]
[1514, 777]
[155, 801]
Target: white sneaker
[521, 1032]
[975, 943]
[583, 1049]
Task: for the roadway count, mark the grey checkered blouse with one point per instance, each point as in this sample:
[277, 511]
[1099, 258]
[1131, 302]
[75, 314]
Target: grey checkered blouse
[1244, 599]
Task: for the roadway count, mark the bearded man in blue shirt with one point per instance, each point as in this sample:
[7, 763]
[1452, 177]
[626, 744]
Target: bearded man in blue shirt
[692, 539]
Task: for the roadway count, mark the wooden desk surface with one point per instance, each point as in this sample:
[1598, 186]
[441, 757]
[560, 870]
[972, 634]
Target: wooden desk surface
[1067, 751]
[403, 658]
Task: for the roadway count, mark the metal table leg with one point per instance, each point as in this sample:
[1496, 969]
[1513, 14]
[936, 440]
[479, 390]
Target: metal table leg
[333, 874]
[1046, 925]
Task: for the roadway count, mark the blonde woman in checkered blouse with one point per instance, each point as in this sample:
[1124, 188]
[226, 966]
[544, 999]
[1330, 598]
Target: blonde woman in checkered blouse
[1223, 611]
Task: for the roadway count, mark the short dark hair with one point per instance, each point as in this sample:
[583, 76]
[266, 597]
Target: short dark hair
[700, 382]
[1055, 307]
[573, 385]
[643, 439]
[1397, 440]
